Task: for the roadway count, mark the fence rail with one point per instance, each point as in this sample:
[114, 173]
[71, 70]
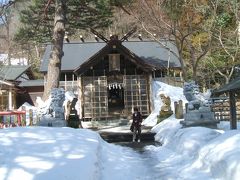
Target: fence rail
[12, 118]
[221, 108]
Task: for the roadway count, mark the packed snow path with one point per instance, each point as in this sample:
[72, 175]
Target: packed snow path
[126, 163]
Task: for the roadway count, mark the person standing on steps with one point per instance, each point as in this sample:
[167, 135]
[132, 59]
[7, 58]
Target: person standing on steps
[136, 125]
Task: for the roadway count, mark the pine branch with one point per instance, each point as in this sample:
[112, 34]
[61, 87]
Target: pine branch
[4, 7]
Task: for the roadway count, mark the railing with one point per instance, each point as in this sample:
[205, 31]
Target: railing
[12, 118]
[69, 85]
[221, 108]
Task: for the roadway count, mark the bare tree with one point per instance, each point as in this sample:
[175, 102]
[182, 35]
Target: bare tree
[227, 34]
[180, 21]
[5, 19]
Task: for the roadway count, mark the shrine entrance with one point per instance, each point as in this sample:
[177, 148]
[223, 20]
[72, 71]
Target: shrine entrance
[115, 98]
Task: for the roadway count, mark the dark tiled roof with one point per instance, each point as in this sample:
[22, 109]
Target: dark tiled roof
[11, 73]
[150, 52]
[154, 53]
[32, 83]
[74, 54]
[231, 86]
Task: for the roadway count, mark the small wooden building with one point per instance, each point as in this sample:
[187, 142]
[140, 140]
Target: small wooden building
[233, 91]
[111, 77]
[11, 95]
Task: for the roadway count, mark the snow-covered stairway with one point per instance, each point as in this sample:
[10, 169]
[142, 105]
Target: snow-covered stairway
[123, 134]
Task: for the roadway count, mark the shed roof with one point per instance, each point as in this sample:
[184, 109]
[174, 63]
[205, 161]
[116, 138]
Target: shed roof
[150, 52]
[234, 85]
[32, 83]
[12, 72]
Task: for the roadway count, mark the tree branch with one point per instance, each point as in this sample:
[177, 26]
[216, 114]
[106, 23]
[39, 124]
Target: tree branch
[4, 7]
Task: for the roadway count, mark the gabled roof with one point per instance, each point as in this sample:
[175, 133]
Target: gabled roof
[234, 85]
[13, 72]
[149, 52]
[106, 50]
[32, 83]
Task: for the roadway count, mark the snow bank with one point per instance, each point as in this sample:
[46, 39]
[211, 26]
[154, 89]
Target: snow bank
[221, 156]
[197, 152]
[66, 153]
[175, 94]
[44, 153]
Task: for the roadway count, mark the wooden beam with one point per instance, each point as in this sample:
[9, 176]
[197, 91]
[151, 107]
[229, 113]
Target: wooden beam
[99, 35]
[233, 114]
[125, 37]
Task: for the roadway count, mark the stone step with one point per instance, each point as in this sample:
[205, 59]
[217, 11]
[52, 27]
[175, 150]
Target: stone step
[125, 136]
[121, 122]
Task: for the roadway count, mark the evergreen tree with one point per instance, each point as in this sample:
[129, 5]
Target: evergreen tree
[43, 16]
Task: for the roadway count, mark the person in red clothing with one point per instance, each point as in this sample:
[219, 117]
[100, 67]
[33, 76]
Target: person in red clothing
[136, 125]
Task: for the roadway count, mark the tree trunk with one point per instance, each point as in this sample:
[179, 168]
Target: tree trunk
[54, 66]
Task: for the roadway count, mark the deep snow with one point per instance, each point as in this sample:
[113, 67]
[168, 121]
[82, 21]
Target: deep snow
[63, 153]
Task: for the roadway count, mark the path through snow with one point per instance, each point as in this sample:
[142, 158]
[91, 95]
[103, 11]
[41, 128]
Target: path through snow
[125, 163]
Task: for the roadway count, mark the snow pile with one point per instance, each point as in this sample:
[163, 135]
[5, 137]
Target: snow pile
[196, 152]
[44, 153]
[53, 105]
[64, 153]
[175, 94]
[27, 107]
[221, 156]
[192, 153]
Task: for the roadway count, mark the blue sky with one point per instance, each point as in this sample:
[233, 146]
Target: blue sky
[3, 1]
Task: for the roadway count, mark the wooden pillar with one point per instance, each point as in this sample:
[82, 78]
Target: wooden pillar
[73, 79]
[233, 114]
[80, 97]
[10, 101]
[150, 106]
[65, 81]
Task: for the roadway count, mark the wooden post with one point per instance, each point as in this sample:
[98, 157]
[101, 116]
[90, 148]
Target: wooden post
[149, 93]
[73, 80]
[31, 117]
[233, 115]
[65, 82]
[80, 97]
[10, 99]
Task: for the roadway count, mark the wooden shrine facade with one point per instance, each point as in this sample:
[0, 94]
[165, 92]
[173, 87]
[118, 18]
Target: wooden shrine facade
[113, 82]
[111, 77]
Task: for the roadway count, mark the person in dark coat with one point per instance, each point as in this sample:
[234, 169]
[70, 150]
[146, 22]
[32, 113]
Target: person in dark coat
[136, 125]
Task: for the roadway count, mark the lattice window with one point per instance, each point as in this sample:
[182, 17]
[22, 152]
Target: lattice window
[95, 97]
[136, 93]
